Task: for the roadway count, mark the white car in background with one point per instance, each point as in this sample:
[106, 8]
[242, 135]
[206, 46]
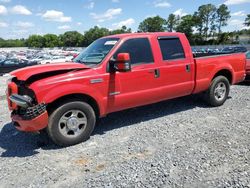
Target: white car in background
[56, 59]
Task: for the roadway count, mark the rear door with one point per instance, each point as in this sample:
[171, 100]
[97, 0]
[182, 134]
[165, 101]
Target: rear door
[177, 67]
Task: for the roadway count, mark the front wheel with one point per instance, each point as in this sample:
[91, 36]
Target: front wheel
[71, 123]
[218, 91]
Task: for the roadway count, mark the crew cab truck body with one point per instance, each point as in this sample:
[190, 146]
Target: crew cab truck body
[116, 73]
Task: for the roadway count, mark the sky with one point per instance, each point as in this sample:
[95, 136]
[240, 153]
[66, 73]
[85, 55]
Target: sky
[21, 18]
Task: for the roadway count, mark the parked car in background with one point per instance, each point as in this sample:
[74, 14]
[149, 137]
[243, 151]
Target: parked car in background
[2, 58]
[56, 59]
[9, 65]
[234, 49]
[248, 65]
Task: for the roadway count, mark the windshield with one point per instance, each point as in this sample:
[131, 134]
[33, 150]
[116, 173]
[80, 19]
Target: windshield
[97, 51]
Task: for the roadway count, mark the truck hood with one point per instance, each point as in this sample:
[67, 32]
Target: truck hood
[25, 73]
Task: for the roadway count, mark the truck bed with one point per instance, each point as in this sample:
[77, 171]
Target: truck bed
[207, 67]
[198, 55]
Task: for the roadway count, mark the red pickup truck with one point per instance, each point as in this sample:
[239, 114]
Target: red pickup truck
[112, 74]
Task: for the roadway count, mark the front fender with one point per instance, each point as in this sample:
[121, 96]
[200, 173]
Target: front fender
[49, 94]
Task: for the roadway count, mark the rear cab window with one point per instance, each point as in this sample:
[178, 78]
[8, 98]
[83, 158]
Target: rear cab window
[139, 50]
[171, 48]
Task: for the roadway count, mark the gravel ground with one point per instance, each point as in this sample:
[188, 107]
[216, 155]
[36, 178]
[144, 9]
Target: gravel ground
[177, 143]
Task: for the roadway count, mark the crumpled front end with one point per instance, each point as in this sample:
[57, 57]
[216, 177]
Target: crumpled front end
[26, 114]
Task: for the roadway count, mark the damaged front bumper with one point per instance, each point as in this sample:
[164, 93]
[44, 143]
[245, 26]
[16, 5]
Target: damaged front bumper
[28, 118]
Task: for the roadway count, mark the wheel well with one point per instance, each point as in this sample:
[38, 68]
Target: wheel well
[74, 97]
[225, 73]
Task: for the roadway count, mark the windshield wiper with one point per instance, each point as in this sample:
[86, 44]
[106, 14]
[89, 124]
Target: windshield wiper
[85, 62]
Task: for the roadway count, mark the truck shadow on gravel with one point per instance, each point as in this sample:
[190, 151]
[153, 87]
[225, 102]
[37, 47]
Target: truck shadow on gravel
[19, 144]
[145, 113]
[245, 83]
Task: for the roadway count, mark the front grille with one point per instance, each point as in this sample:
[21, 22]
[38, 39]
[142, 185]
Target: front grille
[32, 112]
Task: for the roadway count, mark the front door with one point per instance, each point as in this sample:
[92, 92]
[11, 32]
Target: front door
[134, 88]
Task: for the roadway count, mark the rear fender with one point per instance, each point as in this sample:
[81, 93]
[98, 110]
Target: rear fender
[221, 68]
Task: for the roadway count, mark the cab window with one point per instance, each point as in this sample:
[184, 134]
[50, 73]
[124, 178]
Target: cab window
[139, 50]
[171, 48]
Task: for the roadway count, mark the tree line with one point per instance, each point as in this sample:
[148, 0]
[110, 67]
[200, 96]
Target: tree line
[68, 39]
[203, 27]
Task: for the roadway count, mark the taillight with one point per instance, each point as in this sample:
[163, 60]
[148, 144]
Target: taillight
[12, 89]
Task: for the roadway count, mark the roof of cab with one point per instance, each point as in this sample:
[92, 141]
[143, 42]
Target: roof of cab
[125, 35]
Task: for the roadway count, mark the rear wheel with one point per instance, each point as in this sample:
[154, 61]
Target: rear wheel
[71, 123]
[218, 91]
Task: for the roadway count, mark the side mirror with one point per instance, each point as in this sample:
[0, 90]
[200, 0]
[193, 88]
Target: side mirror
[122, 63]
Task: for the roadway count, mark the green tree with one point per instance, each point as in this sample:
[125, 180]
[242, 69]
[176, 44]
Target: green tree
[171, 22]
[223, 38]
[205, 19]
[94, 33]
[12, 43]
[51, 41]
[35, 41]
[223, 15]
[124, 29]
[71, 39]
[186, 26]
[152, 24]
[247, 20]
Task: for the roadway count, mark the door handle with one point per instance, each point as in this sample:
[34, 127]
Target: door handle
[157, 73]
[188, 68]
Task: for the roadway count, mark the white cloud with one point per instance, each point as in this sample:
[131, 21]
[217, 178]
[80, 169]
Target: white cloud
[79, 23]
[5, 1]
[239, 13]
[24, 25]
[56, 16]
[180, 12]
[161, 3]
[150, 16]
[3, 10]
[108, 15]
[237, 24]
[64, 27]
[91, 5]
[20, 9]
[20, 32]
[236, 2]
[126, 23]
[115, 1]
[3, 24]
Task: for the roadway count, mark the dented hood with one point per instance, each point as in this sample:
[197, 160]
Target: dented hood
[26, 73]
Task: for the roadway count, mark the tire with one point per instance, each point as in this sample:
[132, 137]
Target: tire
[218, 91]
[71, 123]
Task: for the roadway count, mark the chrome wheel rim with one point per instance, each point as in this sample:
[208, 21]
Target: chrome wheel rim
[220, 91]
[72, 123]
